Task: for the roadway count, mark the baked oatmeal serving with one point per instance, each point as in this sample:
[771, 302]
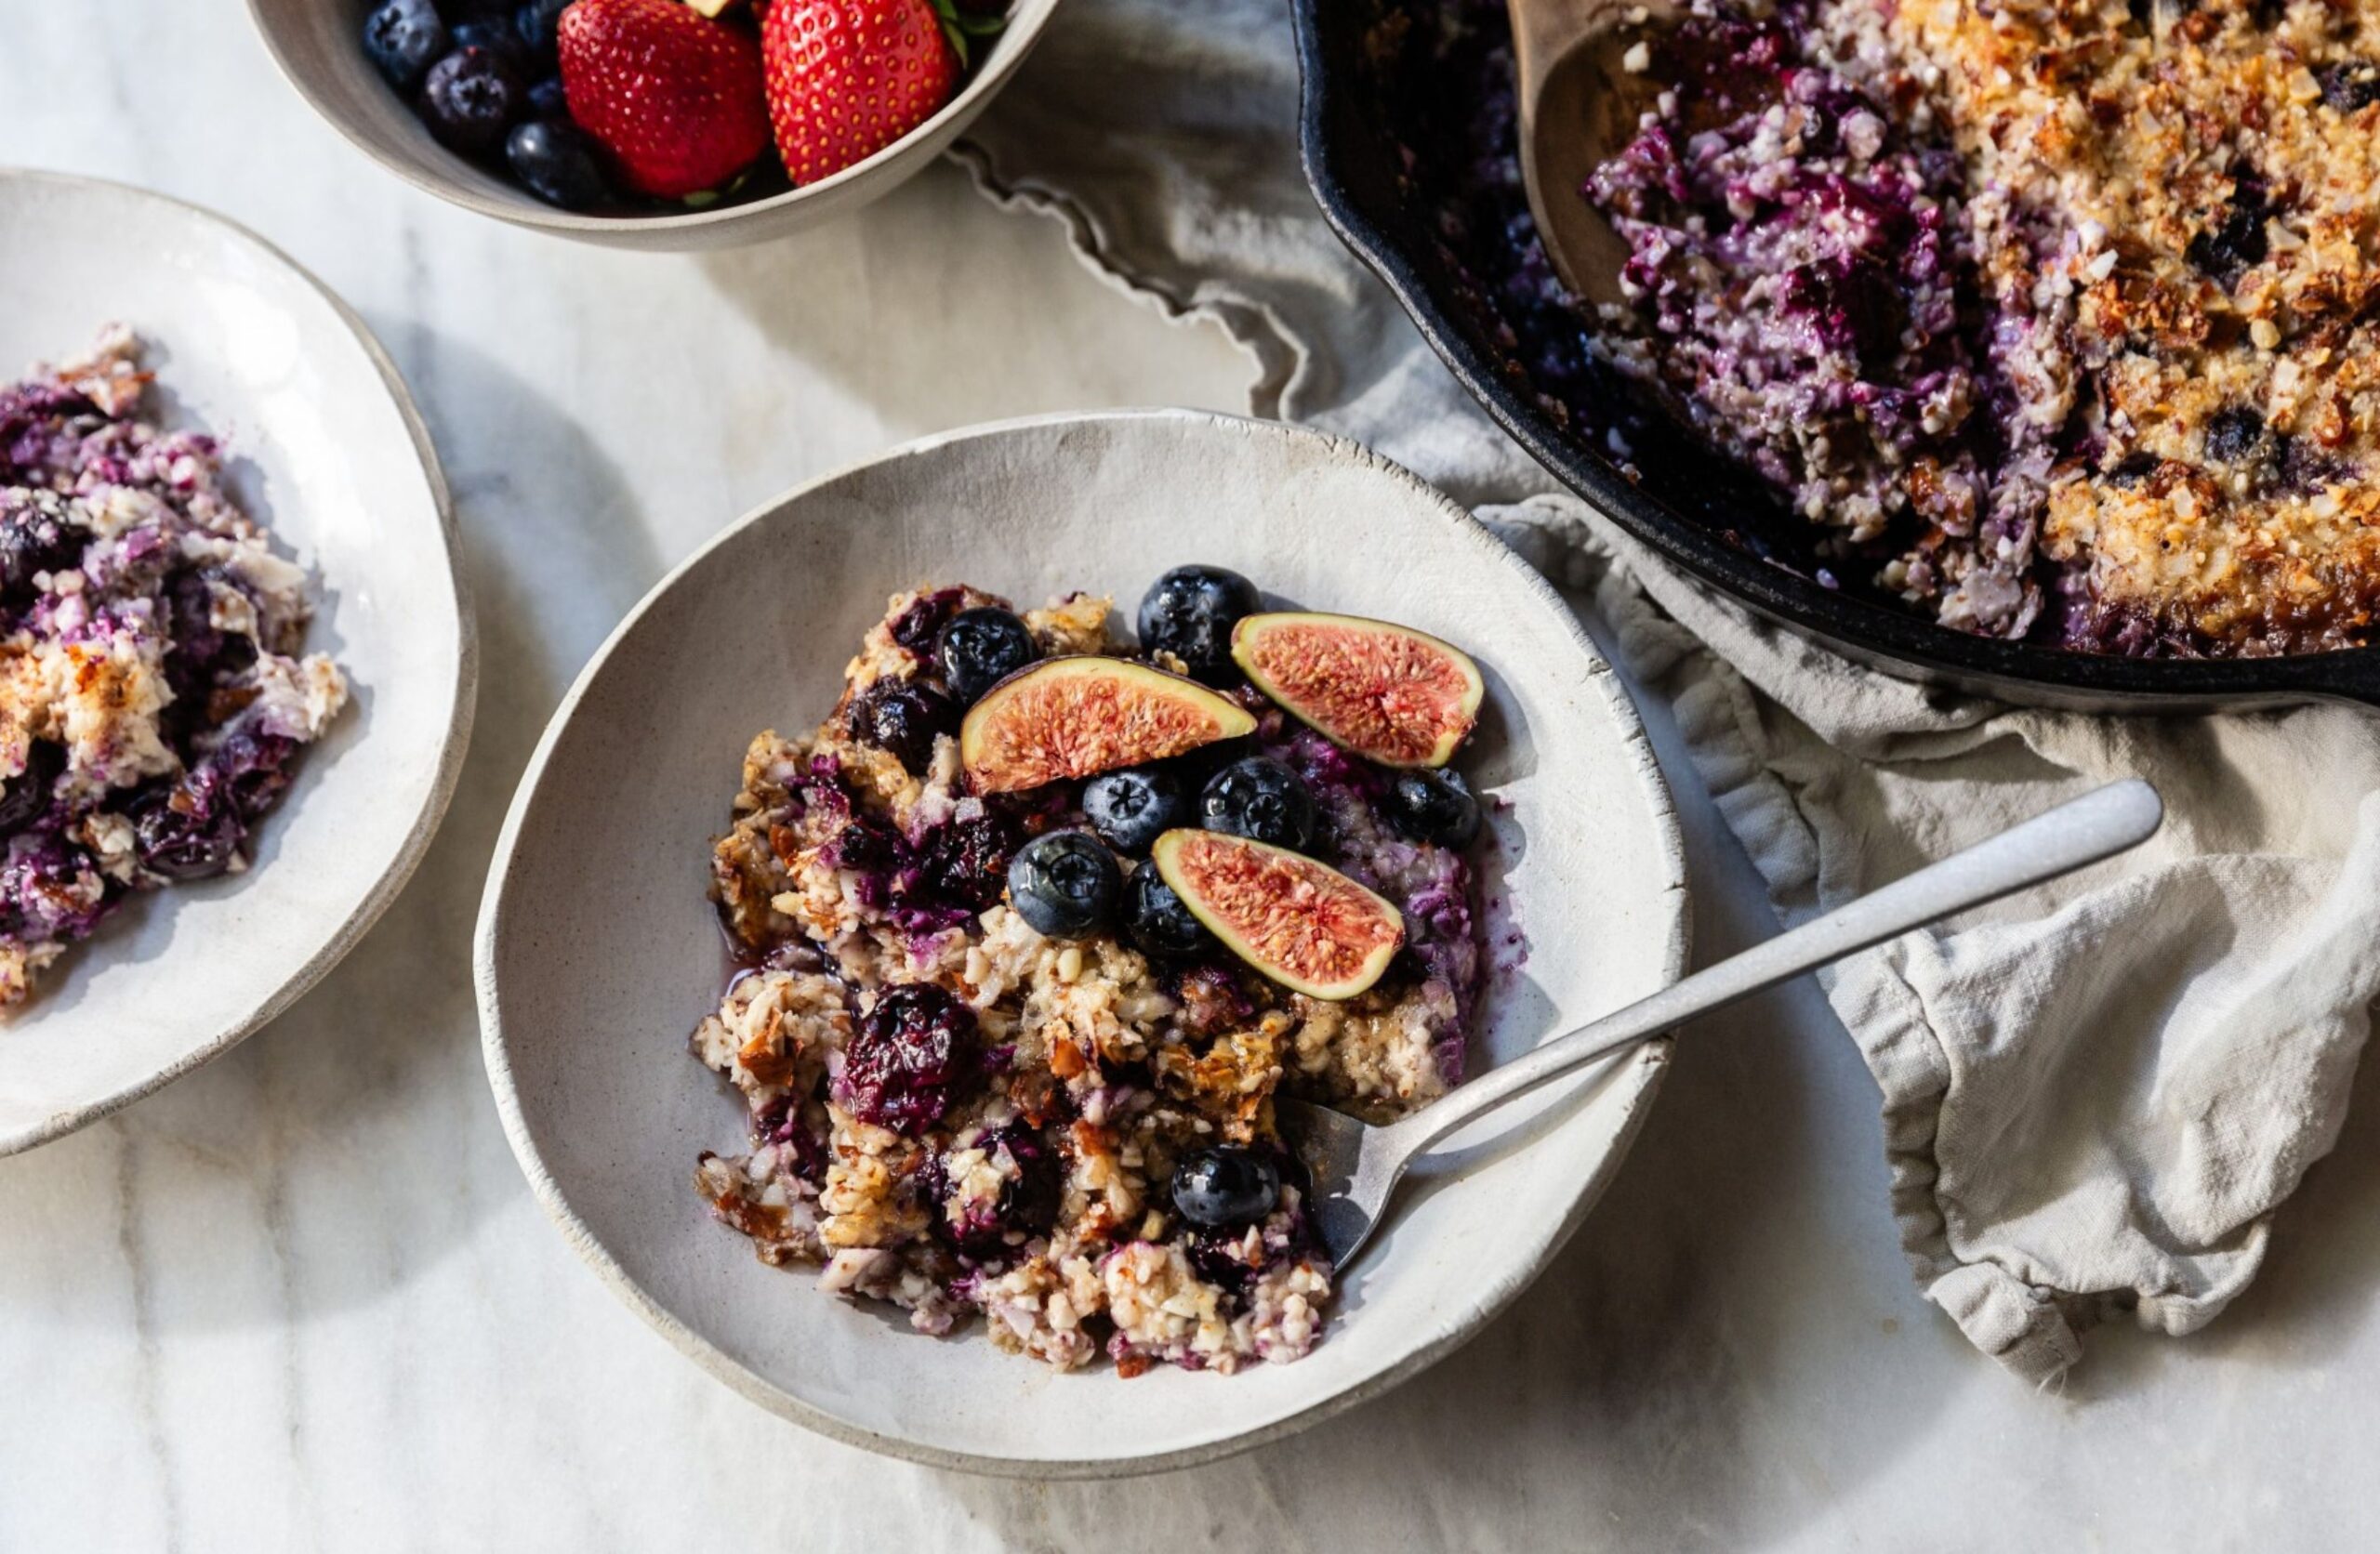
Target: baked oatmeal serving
[2054, 319]
[152, 693]
[1035, 925]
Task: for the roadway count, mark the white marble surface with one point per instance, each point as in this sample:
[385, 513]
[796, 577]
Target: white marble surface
[302, 1298]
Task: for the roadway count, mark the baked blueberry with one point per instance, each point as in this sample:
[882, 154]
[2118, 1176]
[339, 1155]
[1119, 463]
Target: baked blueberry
[1157, 921]
[902, 719]
[1433, 806]
[1065, 884]
[403, 39]
[2350, 84]
[180, 841]
[38, 534]
[980, 648]
[27, 793]
[907, 1057]
[1260, 798]
[1226, 1185]
[470, 100]
[1134, 808]
[1189, 613]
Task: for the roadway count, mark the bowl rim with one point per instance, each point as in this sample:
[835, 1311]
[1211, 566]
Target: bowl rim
[463, 708]
[1898, 643]
[1646, 1067]
[1027, 21]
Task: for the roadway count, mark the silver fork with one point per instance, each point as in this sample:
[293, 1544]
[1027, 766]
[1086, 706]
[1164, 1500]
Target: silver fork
[1353, 1166]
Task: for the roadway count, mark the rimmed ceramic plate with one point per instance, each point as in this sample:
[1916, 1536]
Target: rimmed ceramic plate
[326, 449]
[597, 953]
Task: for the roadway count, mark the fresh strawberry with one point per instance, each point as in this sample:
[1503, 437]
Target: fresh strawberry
[846, 78]
[675, 97]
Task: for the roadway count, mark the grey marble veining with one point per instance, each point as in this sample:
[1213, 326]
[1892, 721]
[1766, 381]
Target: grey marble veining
[302, 1300]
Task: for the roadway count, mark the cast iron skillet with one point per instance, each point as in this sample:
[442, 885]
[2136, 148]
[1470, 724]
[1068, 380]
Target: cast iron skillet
[1715, 525]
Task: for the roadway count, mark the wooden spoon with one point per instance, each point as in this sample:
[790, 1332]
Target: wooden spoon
[1579, 102]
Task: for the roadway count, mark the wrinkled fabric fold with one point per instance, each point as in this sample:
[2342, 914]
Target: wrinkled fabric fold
[2094, 1095]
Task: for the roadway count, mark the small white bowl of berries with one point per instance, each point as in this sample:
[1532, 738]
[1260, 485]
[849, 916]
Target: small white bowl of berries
[652, 123]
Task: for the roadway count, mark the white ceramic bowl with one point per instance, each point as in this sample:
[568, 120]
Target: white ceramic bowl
[328, 449]
[318, 44]
[597, 953]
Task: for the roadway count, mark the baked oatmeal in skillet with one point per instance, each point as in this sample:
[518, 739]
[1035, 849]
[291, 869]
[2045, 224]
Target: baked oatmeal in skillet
[2057, 319]
[1036, 923]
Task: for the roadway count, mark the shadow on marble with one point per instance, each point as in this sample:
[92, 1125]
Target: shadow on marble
[355, 1127]
[2311, 1298]
[800, 294]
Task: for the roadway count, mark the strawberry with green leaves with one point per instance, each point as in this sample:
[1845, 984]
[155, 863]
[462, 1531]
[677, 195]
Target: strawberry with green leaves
[846, 78]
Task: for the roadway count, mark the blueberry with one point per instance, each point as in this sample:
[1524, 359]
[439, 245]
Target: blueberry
[181, 839]
[548, 99]
[900, 717]
[907, 1057]
[1260, 798]
[536, 23]
[1189, 613]
[1065, 884]
[469, 99]
[1134, 808]
[980, 648]
[403, 38]
[498, 39]
[1158, 920]
[27, 793]
[1226, 1185]
[1432, 807]
[556, 162]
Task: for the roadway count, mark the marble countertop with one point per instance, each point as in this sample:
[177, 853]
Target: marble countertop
[303, 1299]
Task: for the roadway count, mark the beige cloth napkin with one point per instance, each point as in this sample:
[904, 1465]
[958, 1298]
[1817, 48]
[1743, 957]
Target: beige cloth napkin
[2094, 1095]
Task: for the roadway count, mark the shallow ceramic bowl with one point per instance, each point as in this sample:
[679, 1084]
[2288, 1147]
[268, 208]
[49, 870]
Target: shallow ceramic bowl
[597, 953]
[318, 44]
[326, 448]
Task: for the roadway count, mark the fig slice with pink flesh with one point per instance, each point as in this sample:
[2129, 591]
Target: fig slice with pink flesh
[1387, 692]
[1081, 715]
[1298, 921]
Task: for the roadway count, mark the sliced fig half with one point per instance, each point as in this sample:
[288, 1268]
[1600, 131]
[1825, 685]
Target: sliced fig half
[1399, 696]
[1301, 922]
[1081, 715]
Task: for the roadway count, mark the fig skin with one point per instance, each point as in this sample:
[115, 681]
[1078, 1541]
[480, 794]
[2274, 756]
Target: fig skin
[1083, 714]
[1298, 947]
[1394, 695]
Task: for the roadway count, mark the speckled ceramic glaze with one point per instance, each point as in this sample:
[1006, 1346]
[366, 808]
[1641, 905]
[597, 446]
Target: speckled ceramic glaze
[597, 950]
[318, 44]
[323, 444]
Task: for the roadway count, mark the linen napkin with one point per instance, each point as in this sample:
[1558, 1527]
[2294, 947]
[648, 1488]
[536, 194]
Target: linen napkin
[2094, 1095]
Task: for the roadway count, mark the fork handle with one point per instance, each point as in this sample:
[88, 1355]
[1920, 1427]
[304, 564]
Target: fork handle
[2085, 830]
